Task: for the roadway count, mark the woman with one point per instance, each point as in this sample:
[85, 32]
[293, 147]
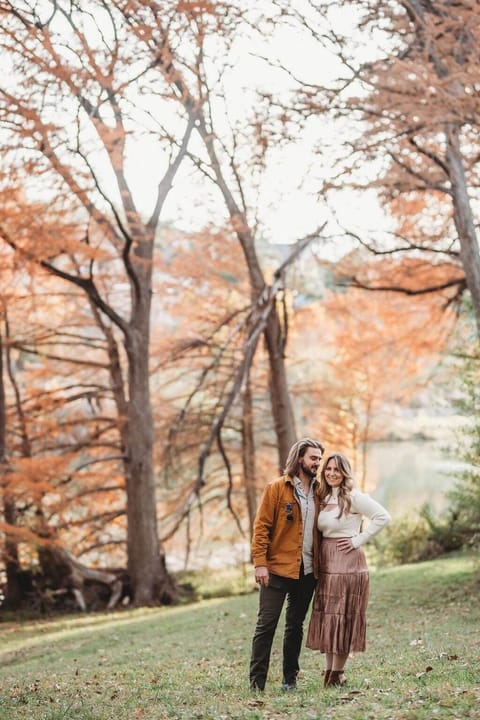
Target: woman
[338, 625]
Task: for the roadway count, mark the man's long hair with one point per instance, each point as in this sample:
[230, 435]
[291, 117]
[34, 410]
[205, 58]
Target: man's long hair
[297, 451]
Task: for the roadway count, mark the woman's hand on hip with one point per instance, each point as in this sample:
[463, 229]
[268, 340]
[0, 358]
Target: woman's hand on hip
[345, 545]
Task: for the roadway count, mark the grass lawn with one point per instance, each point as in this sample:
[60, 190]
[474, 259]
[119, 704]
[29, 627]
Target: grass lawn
[191, 661]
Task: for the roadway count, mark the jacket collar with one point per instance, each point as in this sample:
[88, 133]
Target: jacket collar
[289, 480]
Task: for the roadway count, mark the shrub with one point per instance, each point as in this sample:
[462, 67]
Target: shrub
[406, 540]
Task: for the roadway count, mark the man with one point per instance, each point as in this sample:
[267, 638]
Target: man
[282, 552]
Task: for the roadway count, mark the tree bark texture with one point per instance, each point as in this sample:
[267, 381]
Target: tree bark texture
[464, 221]
[10, 549]
[146, 566]
[248, 455]
[282, 410]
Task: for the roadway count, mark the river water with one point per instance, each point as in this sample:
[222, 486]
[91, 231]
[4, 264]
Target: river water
[405, 475]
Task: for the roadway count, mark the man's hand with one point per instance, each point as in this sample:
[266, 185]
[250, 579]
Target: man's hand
[261, 575]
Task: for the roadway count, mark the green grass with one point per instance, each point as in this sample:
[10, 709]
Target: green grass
[191, 661]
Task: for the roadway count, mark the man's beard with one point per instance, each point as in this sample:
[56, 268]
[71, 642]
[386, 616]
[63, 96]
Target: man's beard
[312, 474]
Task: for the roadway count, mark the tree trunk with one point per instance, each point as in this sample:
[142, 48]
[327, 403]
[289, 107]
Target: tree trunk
[248, 456]
[464, 222]
[282, 410]
[146, 564]
[62, 572]
[365, 439]
[13, 591]
[10, 549]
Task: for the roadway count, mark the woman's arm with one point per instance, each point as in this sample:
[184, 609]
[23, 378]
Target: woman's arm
[379, 517]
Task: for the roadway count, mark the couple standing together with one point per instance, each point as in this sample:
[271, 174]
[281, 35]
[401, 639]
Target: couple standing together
[307, 541]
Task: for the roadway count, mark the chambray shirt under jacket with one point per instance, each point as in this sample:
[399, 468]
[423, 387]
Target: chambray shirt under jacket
[307, 507]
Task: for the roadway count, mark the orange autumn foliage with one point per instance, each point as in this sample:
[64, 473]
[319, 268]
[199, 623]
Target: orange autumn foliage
[361, 357]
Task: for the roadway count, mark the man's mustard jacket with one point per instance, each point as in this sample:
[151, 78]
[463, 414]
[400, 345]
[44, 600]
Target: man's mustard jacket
[278, 529]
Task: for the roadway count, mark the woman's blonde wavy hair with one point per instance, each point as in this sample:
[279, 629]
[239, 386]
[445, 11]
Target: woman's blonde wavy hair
[324, 490]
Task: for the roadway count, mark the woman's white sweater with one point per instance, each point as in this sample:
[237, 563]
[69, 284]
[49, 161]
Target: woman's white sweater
[349, 524]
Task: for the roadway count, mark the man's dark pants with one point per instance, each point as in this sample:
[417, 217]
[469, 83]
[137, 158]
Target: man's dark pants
[299, 594]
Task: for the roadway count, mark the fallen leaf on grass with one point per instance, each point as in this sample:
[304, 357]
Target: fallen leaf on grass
[428, 669]
[350, 695]
[448, 657]
[255, 703]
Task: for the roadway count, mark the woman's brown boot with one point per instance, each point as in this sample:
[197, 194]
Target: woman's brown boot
[325, 677]
[336, 677]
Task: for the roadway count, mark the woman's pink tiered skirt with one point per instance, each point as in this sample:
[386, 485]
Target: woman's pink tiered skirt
[338, 620]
